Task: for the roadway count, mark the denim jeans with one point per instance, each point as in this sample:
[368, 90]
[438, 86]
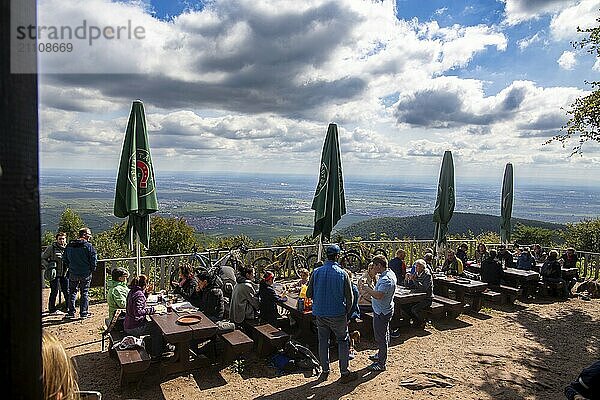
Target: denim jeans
[83, 284]
[339, 327]
[64, 289]
[381, 332]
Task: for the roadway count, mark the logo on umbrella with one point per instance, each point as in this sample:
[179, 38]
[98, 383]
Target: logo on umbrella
[140, 172]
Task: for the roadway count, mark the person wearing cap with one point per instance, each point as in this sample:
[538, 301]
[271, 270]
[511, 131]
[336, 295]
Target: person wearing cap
[268, 299]
[330, 289]
[117, 290]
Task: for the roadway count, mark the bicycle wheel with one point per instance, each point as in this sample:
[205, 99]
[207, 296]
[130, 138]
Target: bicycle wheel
[311, 260]
[298, 263]
[380, 252]
[260, 265]
[199, 261]
[235, 263]
[351, 261]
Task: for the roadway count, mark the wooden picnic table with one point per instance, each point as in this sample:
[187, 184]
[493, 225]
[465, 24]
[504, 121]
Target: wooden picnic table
[518, 278]
[461, 286]
[404, 295]
[181, 336]
[304, 319]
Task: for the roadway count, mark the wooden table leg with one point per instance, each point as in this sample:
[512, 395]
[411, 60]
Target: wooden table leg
[477, 302]
[460, 295]
[182, 362]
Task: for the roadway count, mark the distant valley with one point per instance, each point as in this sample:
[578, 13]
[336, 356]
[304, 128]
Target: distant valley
[267, 206]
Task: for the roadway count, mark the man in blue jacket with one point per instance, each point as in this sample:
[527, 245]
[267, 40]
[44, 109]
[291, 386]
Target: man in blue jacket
[330, 289]
[80, 258]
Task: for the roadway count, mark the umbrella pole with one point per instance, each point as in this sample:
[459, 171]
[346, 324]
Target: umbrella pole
[319, 248]
[138, 255]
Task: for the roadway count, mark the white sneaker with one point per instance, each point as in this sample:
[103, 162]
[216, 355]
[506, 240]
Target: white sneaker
[58, 312]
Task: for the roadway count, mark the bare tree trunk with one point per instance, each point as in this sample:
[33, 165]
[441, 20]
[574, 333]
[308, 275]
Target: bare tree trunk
[20, 283]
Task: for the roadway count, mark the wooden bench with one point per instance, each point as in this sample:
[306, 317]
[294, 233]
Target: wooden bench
[236, 343]
[133, 362]
[267, 338]
[435, 310]
[510, 293]
[111, 325]
[452, 307]
[491, 296]
[548, 289]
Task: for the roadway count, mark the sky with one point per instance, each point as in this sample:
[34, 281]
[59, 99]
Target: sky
[251, 85]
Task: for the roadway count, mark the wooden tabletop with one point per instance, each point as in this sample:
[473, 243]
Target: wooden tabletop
[513, 273]
[468, 285]
[521, 274]
[404, 295]
[174, 332]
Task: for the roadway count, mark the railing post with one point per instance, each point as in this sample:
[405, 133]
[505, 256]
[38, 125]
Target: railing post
[162, 273]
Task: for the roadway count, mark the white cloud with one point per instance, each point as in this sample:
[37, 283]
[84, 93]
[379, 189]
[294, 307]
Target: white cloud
[583, 15]
[567, 60]
[517, 11]
[250, 85]
[526, 42]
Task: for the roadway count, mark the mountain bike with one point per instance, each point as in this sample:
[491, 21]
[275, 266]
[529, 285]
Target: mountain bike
[222, 270]
[358, 257]
[287, 262]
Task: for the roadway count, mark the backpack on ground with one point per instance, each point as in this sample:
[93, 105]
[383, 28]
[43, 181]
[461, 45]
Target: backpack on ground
[304, 359]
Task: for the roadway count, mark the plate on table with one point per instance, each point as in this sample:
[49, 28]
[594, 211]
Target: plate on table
[189, 319]
[462, 280]
[184, 306]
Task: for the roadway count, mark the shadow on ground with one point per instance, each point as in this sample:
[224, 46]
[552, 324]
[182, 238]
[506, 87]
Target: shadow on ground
[566, 341]
[330, 389]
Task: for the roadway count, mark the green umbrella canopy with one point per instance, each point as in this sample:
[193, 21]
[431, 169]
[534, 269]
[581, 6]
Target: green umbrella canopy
[444, 204]
[329, 202]
[506, 205]
[135, 195]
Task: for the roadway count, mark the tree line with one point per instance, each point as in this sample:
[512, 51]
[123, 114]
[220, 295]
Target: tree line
[174, 235]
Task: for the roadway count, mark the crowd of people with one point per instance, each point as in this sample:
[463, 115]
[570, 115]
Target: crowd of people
[336, 297]
[493, 263]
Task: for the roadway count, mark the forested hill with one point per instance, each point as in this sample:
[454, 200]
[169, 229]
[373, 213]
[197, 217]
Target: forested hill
[421, 226]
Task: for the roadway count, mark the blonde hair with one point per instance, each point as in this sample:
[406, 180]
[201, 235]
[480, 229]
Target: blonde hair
[58, 372]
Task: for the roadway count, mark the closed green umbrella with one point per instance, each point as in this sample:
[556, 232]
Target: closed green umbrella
[445, 201]
[329, 202]
[135, 195]
[506, 206]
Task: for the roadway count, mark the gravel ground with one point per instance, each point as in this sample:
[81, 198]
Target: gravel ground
[529, 351]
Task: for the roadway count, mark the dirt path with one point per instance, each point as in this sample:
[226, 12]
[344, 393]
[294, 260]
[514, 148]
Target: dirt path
[530, 351]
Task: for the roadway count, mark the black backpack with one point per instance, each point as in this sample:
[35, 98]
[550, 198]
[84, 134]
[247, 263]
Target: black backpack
[304, 359]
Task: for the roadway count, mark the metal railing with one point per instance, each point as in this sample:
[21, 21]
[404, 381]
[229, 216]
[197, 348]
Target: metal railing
[159, 268]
